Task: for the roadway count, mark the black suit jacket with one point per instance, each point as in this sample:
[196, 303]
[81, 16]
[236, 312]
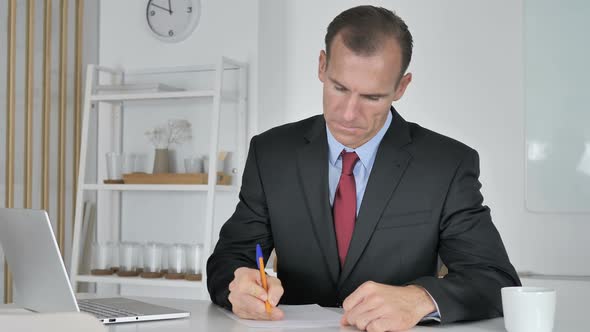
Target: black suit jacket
[422, 200]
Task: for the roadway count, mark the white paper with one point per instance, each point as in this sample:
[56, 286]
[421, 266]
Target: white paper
[296, 316]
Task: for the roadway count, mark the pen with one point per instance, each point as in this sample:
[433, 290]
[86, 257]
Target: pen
[260, 263]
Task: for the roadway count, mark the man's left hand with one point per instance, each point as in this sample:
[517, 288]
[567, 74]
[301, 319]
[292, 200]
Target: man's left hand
[379, 307]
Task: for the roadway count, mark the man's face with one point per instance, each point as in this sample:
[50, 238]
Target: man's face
[358, 90]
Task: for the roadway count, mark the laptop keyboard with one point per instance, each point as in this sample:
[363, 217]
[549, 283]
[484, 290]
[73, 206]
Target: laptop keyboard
[103, 311]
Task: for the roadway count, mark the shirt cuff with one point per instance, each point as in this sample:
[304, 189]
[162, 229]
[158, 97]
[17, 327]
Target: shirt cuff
[433, 316]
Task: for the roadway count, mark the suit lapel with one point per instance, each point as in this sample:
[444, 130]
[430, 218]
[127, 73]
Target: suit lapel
[312, 161]
[390, 164]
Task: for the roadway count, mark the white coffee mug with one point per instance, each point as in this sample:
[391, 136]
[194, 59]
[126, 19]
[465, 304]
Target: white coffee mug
[528, 309]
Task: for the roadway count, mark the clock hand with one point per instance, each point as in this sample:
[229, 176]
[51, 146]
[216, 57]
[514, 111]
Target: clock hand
[166, 9]
[169, 7]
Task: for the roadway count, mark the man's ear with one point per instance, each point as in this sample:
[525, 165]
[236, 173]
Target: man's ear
[323, 63]
[402, 85]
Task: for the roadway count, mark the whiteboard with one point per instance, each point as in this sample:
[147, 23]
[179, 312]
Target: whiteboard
[557, 102]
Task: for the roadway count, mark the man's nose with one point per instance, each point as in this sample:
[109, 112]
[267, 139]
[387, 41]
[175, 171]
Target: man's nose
[351, 109]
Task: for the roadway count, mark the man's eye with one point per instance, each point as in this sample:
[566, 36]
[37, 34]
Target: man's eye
[339, 88]
[372, 98]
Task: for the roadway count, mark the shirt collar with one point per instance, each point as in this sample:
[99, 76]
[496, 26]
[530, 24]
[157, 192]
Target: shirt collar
[366, 152]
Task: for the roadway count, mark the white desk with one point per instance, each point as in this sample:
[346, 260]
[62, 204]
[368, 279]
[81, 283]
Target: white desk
[572, 298]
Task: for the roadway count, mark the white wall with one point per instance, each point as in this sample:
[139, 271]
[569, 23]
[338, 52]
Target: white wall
[228, 28]
[468, 84]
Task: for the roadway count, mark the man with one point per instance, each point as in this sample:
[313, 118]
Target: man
[359, 204]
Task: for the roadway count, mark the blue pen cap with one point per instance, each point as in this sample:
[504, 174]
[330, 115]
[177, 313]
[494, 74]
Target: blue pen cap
[258, 255]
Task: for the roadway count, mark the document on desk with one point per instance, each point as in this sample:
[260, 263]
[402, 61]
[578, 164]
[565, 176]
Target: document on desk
[296, 316]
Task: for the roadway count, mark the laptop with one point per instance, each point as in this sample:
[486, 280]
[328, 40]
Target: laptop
[40, 279]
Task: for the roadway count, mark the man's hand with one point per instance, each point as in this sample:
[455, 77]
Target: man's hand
[247, 295]
[380, 307]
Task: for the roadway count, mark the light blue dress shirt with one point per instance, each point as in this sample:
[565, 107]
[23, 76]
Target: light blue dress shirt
[362, 169]
[367, 153]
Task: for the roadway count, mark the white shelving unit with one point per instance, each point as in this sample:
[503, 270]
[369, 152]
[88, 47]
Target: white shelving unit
[109, 196]
[113, 279]
[158, 187]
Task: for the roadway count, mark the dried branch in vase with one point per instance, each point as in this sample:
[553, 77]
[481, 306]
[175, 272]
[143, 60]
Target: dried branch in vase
[175, 132]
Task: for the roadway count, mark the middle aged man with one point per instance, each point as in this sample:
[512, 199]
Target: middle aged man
[359, 203]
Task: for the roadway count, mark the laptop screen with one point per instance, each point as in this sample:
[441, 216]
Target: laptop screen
[41, 283]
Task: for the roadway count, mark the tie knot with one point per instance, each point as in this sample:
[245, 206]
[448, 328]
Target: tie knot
[349, 159]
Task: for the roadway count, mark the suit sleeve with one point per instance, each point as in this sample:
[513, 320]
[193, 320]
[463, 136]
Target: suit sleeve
[472, 249]
[238, 237]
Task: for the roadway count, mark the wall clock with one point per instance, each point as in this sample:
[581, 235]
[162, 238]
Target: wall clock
[172, 20]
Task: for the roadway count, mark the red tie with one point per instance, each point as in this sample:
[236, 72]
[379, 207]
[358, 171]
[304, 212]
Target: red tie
[345, 204]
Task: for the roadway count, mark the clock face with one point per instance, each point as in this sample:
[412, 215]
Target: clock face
[173, 20]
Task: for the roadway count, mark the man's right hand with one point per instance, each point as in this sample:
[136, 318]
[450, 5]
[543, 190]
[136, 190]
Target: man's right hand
[247, 295]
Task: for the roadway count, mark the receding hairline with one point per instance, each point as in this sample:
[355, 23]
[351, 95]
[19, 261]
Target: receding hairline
[350, 40]
[364, 28]
[364, 52]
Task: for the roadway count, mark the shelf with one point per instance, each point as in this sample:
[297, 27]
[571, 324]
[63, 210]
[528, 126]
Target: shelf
[227, 65]
[138, 96]
[138, 281]
[153, 95]
[153, 87]
[157, 187]
[154, 90]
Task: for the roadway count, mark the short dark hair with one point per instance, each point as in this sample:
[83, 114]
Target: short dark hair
[364, 29]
